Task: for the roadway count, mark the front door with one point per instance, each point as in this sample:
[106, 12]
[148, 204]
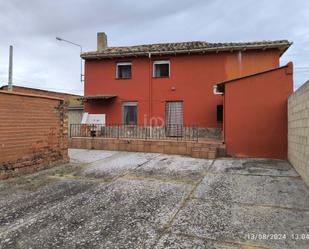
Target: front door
[174, 118]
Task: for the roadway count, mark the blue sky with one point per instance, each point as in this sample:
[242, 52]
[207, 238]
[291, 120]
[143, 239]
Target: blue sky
[43, 62]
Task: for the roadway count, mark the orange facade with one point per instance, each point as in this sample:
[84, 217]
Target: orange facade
[255, 116]
[192, 77]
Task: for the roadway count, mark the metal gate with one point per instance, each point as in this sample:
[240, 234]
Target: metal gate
[174, 119]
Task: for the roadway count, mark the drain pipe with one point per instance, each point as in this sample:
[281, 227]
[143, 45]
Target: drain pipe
[150, 89]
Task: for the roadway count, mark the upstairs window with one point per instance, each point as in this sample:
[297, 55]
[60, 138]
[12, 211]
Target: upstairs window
[124, 70]
[161, 69]
[129, 113]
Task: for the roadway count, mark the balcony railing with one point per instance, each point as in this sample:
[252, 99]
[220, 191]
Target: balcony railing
[167, 132]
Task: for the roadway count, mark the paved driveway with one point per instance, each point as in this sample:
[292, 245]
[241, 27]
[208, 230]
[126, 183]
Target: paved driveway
[105, 199]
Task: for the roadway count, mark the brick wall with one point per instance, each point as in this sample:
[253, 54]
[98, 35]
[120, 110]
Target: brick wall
[298, 131]
[33, 133]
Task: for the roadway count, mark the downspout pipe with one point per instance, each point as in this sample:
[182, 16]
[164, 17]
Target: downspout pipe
[150, 88]
[223, 130]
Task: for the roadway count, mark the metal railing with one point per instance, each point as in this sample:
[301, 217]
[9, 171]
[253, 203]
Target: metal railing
[167, 132]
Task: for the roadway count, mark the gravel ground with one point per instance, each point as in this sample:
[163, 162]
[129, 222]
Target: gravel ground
[105, 199]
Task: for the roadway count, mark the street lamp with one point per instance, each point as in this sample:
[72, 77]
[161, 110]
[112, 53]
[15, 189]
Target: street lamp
[81, 50]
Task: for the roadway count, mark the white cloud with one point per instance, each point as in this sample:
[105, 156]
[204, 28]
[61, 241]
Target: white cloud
[41, 61]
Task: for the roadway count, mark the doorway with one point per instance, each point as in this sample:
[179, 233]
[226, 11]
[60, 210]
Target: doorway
[174, 119]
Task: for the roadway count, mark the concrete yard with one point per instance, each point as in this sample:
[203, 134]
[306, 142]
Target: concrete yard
[110, 199]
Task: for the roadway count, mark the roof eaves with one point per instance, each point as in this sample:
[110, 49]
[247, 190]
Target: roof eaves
[286, 48]
[98, 55]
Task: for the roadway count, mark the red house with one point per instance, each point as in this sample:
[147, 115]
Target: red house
[178, 83]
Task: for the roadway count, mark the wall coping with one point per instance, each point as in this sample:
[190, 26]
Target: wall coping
[30, 95]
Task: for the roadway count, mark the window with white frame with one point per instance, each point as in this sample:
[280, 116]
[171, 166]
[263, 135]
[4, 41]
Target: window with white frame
[161, 68]
[124, 70]
[129, 113]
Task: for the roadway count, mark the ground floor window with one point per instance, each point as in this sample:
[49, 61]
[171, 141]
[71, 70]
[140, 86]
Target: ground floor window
[129, 113]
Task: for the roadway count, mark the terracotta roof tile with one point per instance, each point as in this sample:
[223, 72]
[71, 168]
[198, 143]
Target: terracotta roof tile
[183, 47]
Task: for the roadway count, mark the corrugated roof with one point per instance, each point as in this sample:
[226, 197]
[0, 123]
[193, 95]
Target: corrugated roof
[184, 47]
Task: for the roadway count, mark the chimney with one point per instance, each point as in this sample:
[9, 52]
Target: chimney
[101, 41]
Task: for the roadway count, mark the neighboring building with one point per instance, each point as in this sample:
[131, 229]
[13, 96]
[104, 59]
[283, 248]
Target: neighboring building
[173, 83]
[74, 102]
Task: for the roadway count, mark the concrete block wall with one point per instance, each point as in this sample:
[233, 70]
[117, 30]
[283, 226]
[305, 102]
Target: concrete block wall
[33, 133]
[298, 131]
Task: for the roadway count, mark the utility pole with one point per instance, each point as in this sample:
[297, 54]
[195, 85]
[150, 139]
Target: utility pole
[10, 81]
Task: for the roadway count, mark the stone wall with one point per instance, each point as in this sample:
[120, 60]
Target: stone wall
[33, 133]
[298, 131]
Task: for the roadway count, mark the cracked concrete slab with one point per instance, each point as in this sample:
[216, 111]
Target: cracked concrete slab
[251, 189]
[223, 221]
[116, 165]
[89, 156]
[174, 167]
[130, 213]
[140, 200]
[174, 241]
[254, 166]
[15, 209]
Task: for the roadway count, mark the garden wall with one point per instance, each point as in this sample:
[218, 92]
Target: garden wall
[33, 133]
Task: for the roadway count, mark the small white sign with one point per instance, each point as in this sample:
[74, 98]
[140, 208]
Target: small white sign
[94, 118]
